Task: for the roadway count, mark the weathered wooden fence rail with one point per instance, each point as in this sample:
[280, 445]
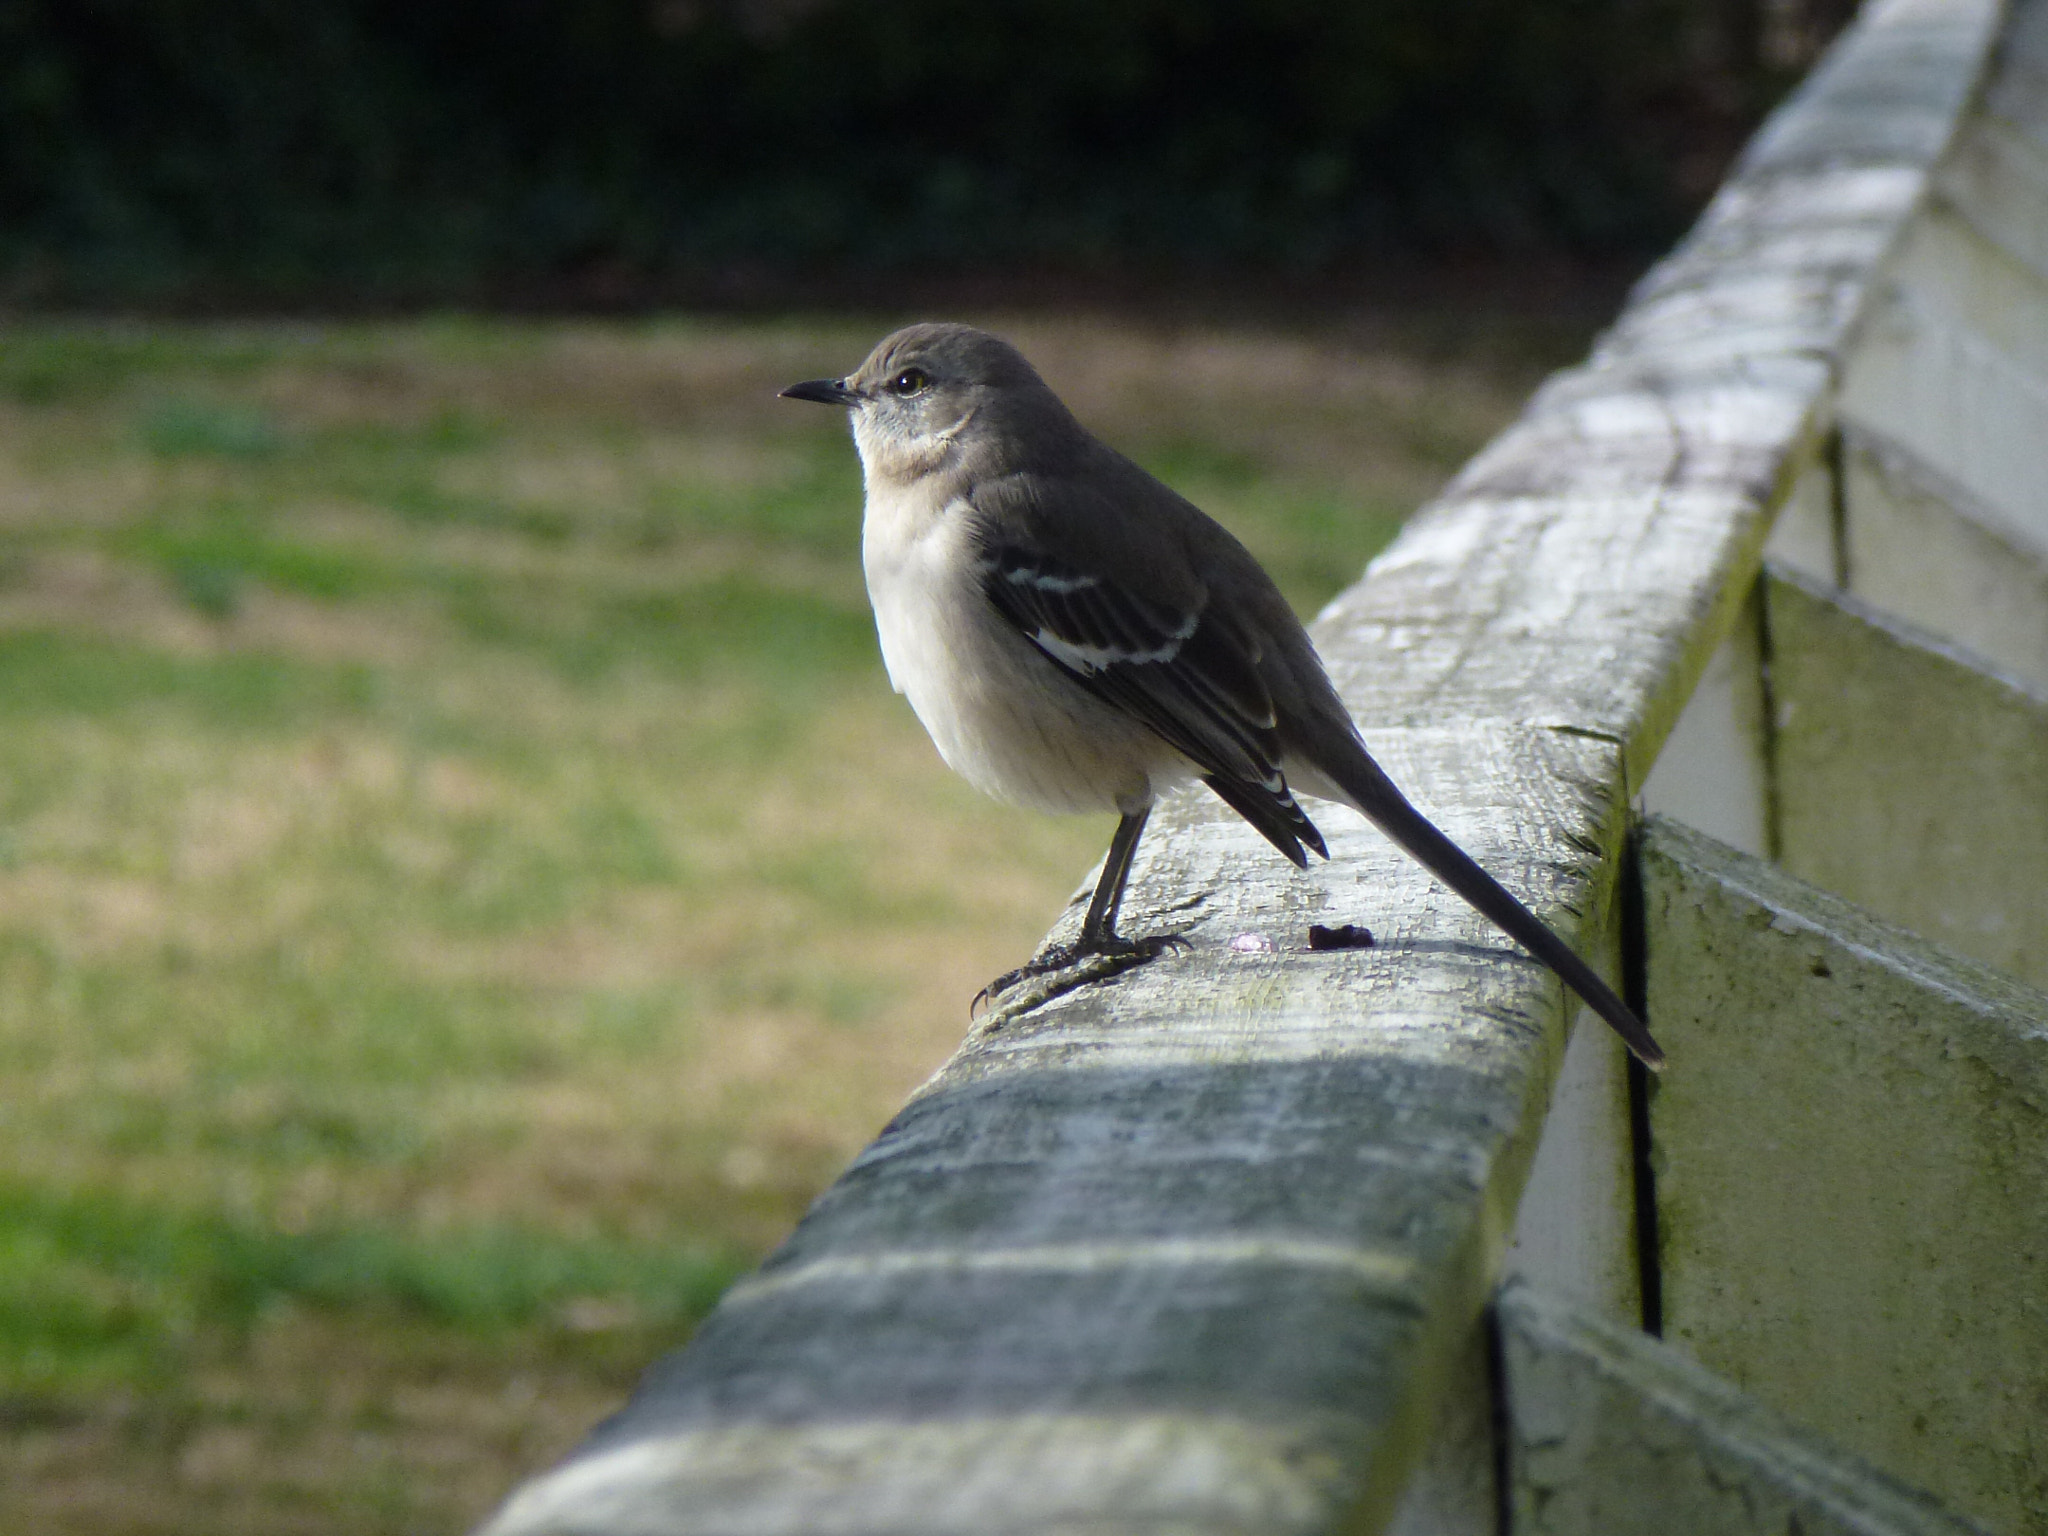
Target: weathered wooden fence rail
[1211, 1248]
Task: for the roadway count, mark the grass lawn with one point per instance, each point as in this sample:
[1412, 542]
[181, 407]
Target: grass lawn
[433, 957]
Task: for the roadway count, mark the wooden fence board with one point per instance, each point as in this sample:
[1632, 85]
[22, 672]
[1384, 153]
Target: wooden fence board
[1852, 1174]
[1909, 778]
[1613, 1432]
[1918, 546]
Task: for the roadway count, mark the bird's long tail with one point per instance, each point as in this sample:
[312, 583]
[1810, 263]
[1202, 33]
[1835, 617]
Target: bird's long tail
[1373, 793]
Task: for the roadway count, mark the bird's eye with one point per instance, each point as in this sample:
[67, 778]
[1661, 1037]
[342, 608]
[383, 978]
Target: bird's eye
[910, 381]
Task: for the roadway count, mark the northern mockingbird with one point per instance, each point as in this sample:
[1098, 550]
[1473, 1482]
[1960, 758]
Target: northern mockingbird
[1077, 637]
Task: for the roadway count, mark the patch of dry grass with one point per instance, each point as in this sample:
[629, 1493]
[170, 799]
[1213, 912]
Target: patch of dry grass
[464, 881]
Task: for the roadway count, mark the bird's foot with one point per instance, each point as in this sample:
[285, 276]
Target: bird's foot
[1067, 966]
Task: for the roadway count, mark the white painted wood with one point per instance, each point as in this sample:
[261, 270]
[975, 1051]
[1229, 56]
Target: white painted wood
[1808, 537]
[1920, 549]
[1612, 1432]
[1852, 1174]
[1575, 1230]
[1996, 175]
[1712, 774]
[1956, 398]
[1945, 502]
[1997, 179]
[1946, 261]
[1951, 367]
[1910, 778]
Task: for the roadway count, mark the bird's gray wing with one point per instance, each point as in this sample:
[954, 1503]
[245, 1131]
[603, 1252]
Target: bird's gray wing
[1183, 670]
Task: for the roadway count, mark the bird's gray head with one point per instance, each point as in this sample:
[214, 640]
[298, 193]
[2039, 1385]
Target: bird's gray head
[929, 392]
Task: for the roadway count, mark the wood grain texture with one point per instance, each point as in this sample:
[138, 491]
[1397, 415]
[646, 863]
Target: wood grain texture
[1201, 1249]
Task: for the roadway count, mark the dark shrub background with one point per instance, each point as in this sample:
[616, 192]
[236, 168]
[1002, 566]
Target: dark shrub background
[158, 148]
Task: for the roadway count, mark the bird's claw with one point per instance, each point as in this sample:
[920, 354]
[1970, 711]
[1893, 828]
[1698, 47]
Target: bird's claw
[1090, 962]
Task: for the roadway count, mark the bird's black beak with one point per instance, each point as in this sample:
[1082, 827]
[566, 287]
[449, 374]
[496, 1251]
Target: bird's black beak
[824, 391]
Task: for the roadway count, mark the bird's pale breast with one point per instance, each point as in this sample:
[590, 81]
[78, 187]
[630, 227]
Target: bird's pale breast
[1001, 714]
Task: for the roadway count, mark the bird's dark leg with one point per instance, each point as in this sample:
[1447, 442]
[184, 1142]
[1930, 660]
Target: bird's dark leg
[1098, 928]
[1098, 937]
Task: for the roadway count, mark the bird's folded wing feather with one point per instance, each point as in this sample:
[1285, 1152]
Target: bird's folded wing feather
[1154, 662]
[1182, 669]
